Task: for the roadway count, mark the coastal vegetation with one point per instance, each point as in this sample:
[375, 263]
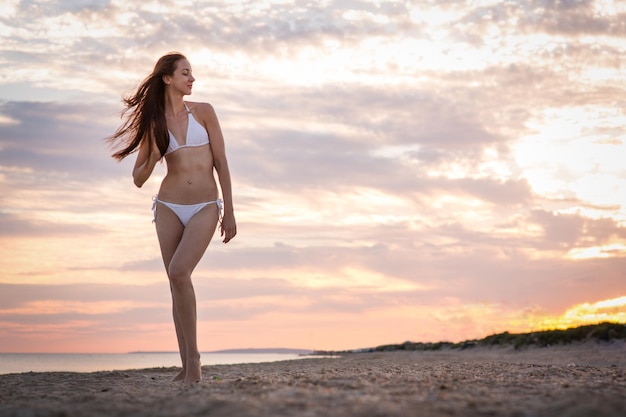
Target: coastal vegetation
[602, 332]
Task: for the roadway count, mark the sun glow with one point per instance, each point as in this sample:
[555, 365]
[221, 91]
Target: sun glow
[50, 307]
[612, 310]
[604, 251]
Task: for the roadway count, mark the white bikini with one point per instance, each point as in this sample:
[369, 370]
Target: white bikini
[196, 136]
[185, 211]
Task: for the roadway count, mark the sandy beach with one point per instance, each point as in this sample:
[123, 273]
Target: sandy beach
[576, 380]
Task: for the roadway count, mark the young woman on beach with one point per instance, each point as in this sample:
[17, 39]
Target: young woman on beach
[160, 124]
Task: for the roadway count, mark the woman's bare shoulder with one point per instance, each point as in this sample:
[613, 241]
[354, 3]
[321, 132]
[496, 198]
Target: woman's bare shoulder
[204, 113]
[201, 107]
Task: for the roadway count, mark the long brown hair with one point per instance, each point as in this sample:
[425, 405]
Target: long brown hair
[145, 111]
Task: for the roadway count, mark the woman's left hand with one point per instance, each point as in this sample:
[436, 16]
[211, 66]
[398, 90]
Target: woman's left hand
[228, 228]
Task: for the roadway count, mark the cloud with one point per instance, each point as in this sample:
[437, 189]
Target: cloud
[570, 18]
[58, 139]
[570, 230]
[13, 225]
[576, 17]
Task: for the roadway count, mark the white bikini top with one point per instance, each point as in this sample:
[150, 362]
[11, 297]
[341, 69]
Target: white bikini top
[196, 135]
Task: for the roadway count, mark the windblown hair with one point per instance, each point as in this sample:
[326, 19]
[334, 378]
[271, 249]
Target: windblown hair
[145, 112]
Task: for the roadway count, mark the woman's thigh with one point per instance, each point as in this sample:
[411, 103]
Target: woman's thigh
[169, 232]
[190, 245]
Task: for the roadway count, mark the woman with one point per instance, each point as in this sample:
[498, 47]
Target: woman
[187, 209]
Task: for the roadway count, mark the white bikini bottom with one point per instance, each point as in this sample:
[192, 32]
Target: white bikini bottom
[185, 211]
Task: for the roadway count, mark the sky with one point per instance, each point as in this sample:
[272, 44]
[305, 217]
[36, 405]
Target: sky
[402, 170]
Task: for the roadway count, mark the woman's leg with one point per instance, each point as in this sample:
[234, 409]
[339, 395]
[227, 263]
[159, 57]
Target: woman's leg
[170, 231]
[182, 346]
[181, 253]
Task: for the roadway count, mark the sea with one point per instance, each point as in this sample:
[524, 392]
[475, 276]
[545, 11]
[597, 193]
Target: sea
[92, 362]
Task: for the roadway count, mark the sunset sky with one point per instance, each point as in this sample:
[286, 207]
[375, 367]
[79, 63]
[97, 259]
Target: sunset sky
[402, 170]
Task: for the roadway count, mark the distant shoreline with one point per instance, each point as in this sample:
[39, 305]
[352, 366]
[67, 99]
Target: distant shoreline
[94, 362]
[280, 351]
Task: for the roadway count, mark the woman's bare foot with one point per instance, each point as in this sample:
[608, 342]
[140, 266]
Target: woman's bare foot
[181, 375]
[193, 373]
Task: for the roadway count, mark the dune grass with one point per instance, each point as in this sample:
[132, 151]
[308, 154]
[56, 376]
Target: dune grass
[602, 332]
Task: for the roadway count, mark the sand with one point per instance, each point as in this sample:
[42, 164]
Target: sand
[581, 380]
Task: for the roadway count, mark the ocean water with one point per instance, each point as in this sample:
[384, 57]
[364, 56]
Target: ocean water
[91, 362]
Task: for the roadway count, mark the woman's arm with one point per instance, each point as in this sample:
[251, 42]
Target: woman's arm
[216, 140]
[147, 158]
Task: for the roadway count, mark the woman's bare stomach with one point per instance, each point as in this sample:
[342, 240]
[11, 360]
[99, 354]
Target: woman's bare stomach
[188, 181]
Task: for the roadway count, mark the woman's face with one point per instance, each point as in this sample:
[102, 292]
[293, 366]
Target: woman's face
[182, 79]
